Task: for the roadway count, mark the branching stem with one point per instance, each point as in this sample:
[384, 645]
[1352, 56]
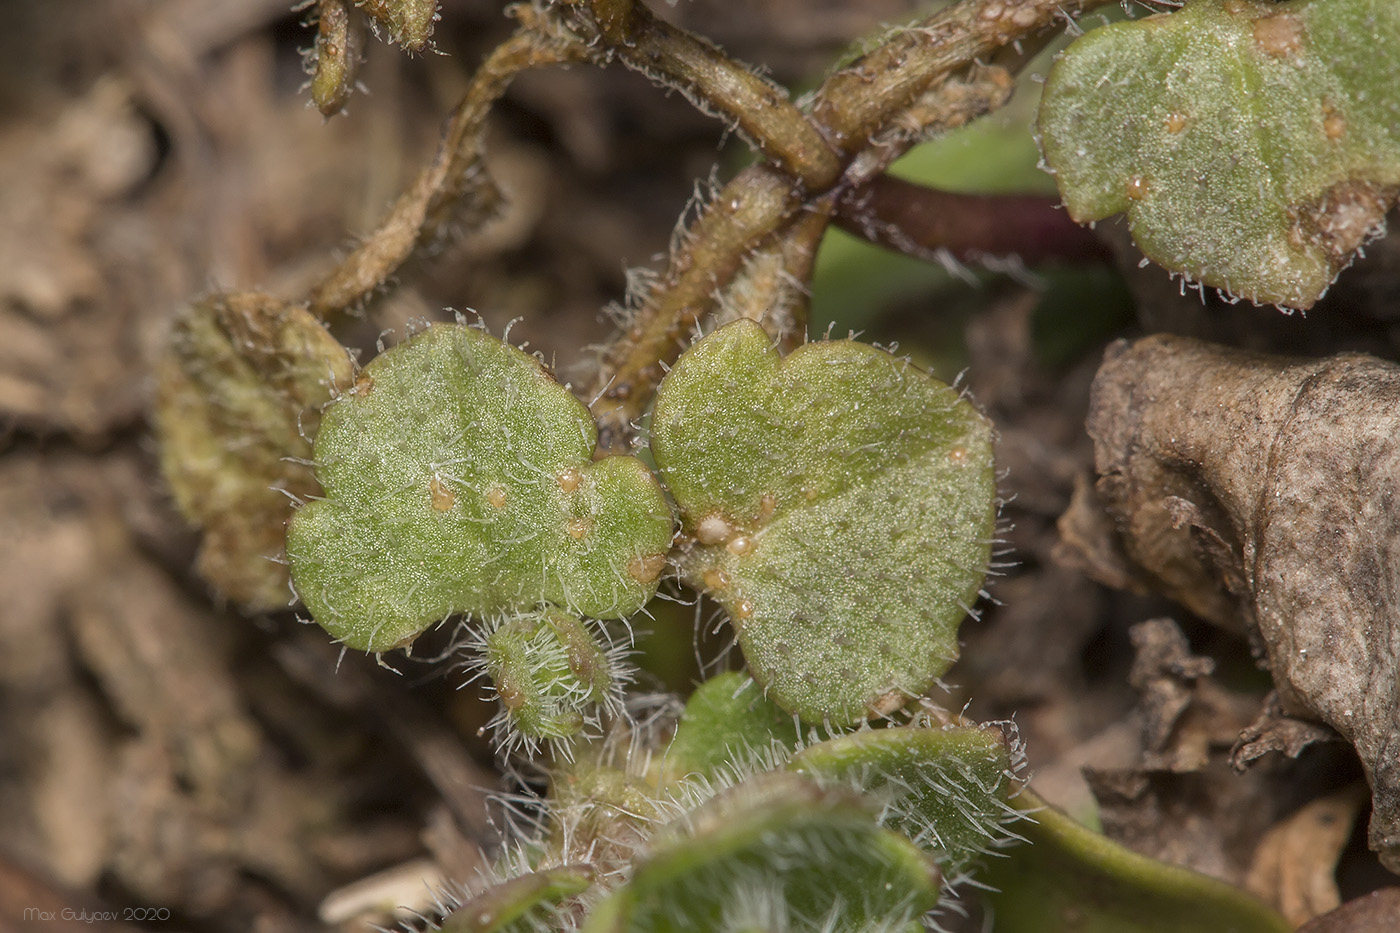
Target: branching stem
[760, 110]
[452, 185]
[928, 73]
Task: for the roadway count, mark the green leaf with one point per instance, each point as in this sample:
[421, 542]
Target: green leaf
[240, 389]
[1254, 145]
[525, 904]
[775, 853]
[729, 723]
[840, 505]
[1069, 879]
[459, 479]
[945, 789]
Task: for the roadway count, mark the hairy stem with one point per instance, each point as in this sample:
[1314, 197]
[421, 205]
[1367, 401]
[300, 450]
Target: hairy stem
[453, 184]
[772, 288]
[860, 99]
[737, 220]
[759, 202]
[760, 110]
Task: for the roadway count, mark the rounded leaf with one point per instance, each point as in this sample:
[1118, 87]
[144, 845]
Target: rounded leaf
[459, 479]
[1253, 144]
[840, 505]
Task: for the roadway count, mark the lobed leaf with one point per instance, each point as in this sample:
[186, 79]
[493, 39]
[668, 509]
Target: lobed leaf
[459, 479]
[1254, 145]
[840, 505]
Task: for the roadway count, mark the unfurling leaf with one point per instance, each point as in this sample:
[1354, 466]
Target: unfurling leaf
[556, 677]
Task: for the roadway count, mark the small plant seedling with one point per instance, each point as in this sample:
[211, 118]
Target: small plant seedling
[839, 503]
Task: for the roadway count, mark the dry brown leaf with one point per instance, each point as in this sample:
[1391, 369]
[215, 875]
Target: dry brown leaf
[1261, 493]
[1377, 912]
[240, 392]
[1295, 864]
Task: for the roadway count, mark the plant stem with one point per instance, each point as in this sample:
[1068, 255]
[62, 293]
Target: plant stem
[772, 287]
[917, 221]
[758, 109]
[453, 184]
[860, 99]
[748, 209]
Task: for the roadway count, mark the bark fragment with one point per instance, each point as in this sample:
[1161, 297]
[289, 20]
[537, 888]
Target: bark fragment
[1261, 492]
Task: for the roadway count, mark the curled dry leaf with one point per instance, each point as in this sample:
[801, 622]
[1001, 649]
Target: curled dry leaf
[1295, 865]
[1261, 491]
[239, 393]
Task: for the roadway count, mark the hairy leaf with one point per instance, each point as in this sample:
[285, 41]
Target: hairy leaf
[1254, 145]
[240, 390]
[556, 676]
[528, 903]
[775, 853]
[945, 789]
[459, 478]
[729, 723]
[840, 505]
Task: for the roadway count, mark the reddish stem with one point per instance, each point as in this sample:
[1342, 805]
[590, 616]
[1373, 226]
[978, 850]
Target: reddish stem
[912, 219]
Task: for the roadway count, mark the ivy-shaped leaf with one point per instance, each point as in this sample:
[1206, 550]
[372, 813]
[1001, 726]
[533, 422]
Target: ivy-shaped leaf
[459, 479]
[840, 505]
[1253, 144]
[240, 389]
